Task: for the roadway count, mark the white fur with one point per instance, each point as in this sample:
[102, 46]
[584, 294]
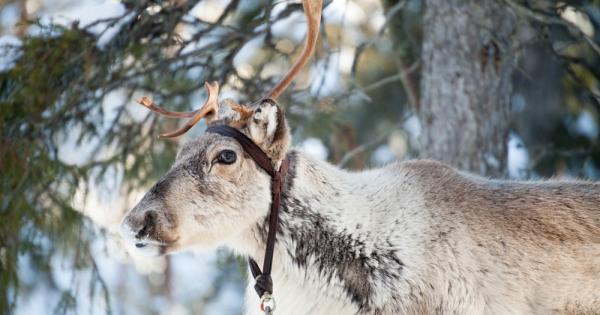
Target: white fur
[299, 291]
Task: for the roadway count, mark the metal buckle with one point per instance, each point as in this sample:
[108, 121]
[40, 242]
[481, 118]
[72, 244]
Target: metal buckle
[267, 303]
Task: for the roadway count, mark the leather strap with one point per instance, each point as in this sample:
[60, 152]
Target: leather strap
[263, 282]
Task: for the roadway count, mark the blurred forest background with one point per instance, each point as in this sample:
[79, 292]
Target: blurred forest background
[504, 88]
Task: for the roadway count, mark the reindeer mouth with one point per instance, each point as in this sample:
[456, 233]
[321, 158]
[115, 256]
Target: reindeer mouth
[150, 239]
[151, 248]
[149, 243]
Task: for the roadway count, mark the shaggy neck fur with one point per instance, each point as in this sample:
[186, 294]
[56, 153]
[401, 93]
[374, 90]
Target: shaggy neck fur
[337, 250]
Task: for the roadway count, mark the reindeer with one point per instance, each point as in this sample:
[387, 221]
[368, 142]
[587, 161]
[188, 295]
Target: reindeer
[415, 237]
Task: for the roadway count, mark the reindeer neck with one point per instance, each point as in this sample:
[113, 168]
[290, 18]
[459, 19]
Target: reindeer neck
[314, 193]
[328, 226]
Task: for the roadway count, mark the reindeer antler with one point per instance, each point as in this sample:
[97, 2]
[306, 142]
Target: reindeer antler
[312, 11]
[210, 107]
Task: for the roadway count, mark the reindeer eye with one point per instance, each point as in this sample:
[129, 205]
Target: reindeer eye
[226, 157]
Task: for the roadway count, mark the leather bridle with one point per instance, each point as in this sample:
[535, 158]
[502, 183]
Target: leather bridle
[263, 282]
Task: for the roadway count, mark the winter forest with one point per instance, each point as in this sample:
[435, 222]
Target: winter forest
[501, 88]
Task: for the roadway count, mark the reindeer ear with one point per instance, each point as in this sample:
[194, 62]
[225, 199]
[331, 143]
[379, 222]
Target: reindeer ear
[268, 128]
[263, 122]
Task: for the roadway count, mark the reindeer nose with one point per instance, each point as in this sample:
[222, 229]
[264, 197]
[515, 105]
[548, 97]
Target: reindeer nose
[148, 224]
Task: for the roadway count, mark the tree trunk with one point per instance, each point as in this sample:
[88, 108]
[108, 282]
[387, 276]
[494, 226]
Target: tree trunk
[466, 83]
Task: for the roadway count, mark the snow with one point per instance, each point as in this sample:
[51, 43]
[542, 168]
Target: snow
[413, 126]
[292, 27]
[518, 158]
[315, 148]
[86, 12]
[227, 303]
[9, 16]
[72, 153]
[7, 55]
[579, 19]
[345, 59]
[590, 170]
[192, 275]
[518, 102]
[382, 155]
[326, 80]
[209, 11]
[398, 143]
[377, 19]
[40, 301]
[586, 125]
[245, 54]
[113, 30]
[345, 13]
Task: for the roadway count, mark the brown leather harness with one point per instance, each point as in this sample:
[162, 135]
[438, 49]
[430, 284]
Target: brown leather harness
[263, 282]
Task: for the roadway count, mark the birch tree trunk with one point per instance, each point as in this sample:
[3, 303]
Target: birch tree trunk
[466, 84]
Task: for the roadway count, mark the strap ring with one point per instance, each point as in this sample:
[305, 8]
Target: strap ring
[267, 303]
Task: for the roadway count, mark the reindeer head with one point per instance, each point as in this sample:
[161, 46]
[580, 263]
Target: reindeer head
[214, 190]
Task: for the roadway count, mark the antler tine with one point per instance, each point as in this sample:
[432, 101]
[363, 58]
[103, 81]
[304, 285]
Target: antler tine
[211, 105]
[241, 109]
[148, 103]
[312, 11]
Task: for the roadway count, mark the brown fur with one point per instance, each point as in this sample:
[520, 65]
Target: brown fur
[544, 237]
